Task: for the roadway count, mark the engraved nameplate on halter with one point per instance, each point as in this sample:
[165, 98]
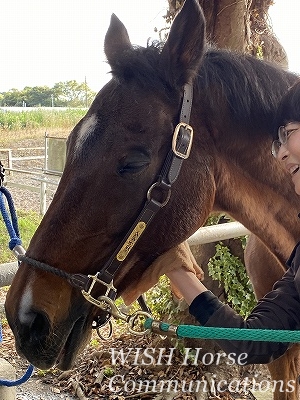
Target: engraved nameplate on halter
[130, 242]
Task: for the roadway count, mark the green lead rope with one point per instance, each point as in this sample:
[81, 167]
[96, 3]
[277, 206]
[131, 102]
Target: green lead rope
[205, 332]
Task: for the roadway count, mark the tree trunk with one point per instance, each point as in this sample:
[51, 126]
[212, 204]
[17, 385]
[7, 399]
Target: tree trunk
[240, 26]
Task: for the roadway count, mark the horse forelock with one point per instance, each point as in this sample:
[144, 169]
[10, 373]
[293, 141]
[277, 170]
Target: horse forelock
[142, 66]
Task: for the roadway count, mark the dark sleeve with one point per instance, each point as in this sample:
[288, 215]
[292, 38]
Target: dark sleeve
[279, 309]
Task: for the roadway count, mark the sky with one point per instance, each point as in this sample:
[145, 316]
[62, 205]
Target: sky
[45, 42]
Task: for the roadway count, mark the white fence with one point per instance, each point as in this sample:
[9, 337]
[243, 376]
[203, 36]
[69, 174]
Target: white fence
[42, 187]
[8, 153]
[215, 233]
[38, 171]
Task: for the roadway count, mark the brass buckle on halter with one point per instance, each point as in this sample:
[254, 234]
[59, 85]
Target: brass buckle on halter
[188, 129]
[111, 291]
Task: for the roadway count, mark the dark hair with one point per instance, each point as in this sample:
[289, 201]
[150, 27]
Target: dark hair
[289, 106]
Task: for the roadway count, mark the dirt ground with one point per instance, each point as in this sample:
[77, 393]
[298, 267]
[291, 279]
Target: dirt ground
[96, 376]
[100, 374]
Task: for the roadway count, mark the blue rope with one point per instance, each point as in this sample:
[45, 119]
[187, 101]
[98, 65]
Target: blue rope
[24, 378]
[11, 221]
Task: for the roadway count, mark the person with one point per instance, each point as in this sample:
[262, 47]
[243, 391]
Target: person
[280, 308]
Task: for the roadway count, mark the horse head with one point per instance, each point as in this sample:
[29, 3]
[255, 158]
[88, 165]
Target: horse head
[114, 156]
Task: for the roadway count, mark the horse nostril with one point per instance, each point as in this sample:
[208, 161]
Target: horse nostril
[36, 326]
[41, 324]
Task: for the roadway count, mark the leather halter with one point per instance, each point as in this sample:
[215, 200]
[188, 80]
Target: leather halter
[158, 196]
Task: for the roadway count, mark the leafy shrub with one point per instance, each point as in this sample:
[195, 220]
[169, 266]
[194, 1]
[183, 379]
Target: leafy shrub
[230, 270]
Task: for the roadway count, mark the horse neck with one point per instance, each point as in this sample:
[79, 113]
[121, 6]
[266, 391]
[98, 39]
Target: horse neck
[261, 197]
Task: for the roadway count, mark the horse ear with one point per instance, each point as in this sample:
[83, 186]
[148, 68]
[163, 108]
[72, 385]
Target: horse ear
[182, 54]
[116, 40]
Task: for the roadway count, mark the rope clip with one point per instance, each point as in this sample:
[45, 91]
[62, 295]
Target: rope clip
[133, 320]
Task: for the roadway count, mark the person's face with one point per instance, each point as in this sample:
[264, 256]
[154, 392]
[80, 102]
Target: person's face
[287, 150]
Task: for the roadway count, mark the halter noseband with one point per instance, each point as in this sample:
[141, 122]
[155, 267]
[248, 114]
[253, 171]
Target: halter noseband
[181, 147]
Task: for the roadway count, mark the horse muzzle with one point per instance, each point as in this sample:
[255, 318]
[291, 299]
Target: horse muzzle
[45, 345]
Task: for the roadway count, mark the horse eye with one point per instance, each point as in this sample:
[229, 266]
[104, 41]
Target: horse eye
[133, 167]
[133, 163]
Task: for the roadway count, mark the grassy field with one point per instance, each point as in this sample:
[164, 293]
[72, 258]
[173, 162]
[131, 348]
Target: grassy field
[28, 222]
[18, 126]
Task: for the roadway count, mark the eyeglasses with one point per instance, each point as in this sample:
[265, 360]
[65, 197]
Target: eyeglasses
[283, 136]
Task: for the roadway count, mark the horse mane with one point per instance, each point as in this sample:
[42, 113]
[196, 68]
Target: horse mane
[252, 88]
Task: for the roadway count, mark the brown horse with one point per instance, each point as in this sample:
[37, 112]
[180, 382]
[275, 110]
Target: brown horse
[115, 154]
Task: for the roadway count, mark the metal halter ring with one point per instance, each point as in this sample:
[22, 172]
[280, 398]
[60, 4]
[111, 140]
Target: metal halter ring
[132, 319]
[163, 188]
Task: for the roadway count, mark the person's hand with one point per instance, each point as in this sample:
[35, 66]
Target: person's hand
[186, 283]
[174, 259]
